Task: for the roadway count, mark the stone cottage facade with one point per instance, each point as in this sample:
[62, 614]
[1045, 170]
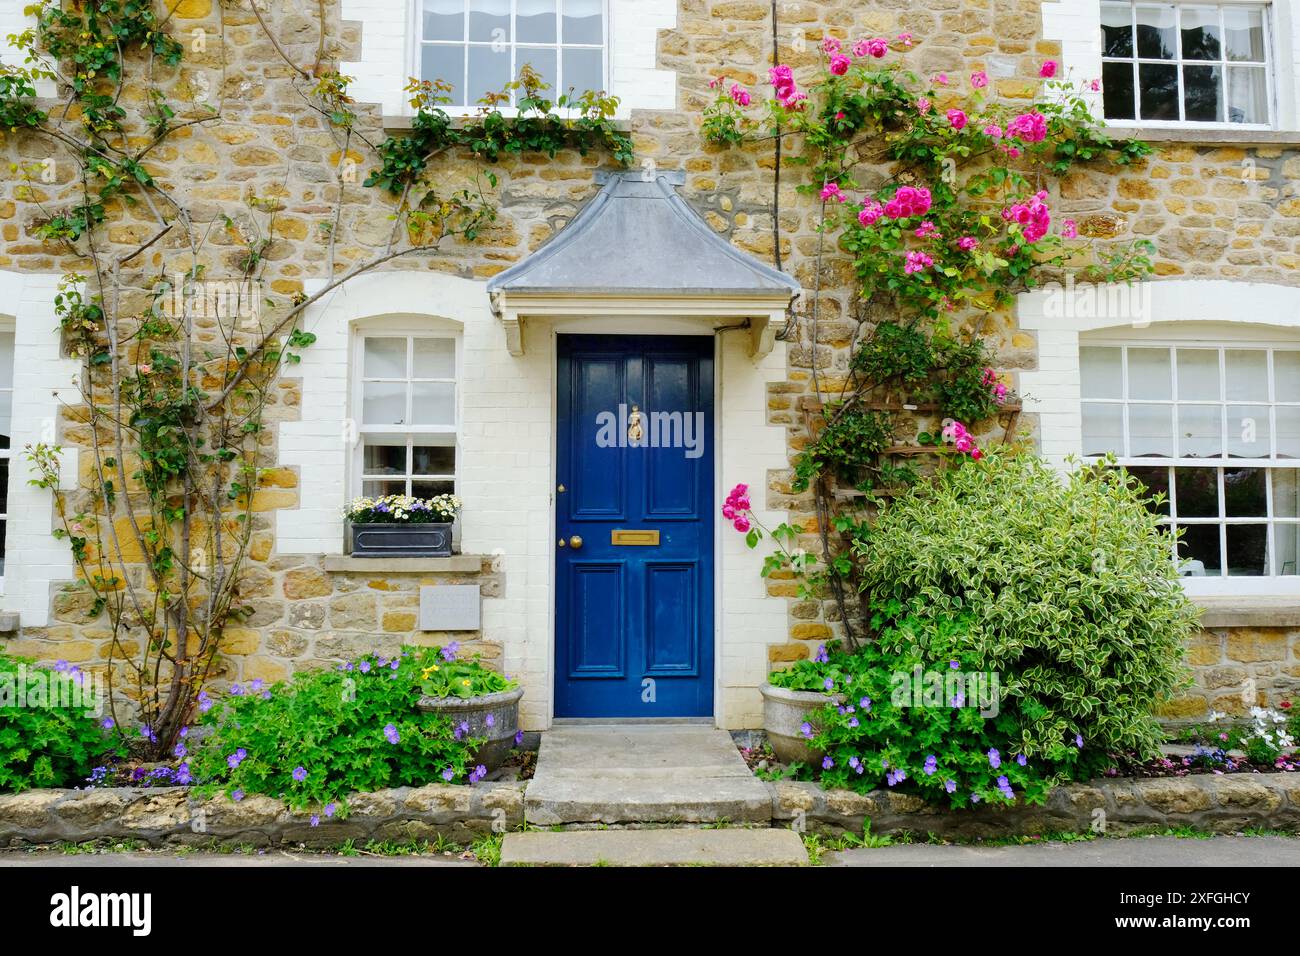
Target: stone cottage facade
[495, 347]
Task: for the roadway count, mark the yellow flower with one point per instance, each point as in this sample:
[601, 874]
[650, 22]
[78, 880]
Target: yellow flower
[465, 683]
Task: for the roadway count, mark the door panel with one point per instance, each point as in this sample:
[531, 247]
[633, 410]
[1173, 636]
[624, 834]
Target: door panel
[634, 453]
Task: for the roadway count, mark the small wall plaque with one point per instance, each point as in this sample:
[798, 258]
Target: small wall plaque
[449, 607]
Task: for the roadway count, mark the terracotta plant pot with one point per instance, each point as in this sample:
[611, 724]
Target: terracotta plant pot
[784, 712]
[504, 709]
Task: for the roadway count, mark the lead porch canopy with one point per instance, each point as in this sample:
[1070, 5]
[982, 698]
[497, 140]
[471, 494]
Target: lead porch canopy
[637, 249]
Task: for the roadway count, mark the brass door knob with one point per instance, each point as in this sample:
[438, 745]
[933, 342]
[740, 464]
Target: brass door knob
[575, 542]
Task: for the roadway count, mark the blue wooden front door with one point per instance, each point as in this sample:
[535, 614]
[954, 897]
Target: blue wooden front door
[634, 576]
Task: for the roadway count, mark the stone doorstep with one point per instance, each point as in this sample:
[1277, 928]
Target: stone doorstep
[638, 773]
[761, 847]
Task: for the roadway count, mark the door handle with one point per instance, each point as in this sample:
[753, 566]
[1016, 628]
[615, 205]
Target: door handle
[575, 542]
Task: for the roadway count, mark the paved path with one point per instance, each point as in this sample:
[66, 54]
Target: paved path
[643, 773]
[1119, 851]
[678, 847]
[270, 858]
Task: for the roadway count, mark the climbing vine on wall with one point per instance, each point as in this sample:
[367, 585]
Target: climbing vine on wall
[939, 195]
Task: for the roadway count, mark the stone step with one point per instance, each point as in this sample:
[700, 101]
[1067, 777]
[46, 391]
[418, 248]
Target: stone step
[736, 847]
[619, 774]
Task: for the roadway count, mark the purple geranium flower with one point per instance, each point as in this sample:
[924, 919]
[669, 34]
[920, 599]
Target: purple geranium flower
[806, 730]
[449, 775]
[829, 683]
[477, 774]
[237, 795]
[315, 819]
[107, 723]
[519, 737]
[827, 763]
[490, 720]
[183, 775]
[391, 734]
[931, 765]
[954, 665]
[300, 774]
[995, 758]
[1022, 759]
[180, 750]
[329, 809]
[364, 667]
[950, 785]
[449, 652]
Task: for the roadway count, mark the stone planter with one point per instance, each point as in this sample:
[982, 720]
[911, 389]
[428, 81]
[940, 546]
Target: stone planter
[401, 540]
[504, 708]
[784, 711]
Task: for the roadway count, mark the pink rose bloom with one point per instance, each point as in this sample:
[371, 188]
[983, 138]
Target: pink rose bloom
[968, 243]
[831, 193]
[926, 230]
[741, 524]
[905, 39]
[907, 202]
[146, 369]
[875, 47]
[993, 131]
[740, 490]
[830, 45]
[728, 512]
[1048, 69]
[782, 80]
[716, 82]
[979, 79]
[840, 64]
[940, 78]
[742, 503]
[917, 262]
[976, 454]
[952, 430]
[963, 444]
[740, 95]
[957, 119]
[1069, 230]
[1095, 86]
[1011, 151]
[922, 104]
[871, 211]
[1028, 127]
[999, 393]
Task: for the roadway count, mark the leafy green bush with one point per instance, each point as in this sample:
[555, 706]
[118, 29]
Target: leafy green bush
[42, 745]
[1064, 586]
[328, 733]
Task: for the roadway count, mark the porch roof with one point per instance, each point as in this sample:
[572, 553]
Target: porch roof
[639, 238]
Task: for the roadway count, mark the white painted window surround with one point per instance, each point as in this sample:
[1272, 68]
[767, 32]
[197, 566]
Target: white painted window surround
[388, 53]
[1076, 24]
[1192, 311]
[36, 561]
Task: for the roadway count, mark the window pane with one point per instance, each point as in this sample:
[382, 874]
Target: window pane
[431, 489]
[1156, 481]
[1198, 492]
[381, 489]
[583, 22]
[1198, 375]
[1149, 374]
[1245, 493]
[444, 19]
[1247, 95]
[385, 358]
[6, 359]
[1103, 429]
[1200, 431]
[435, 358]
[1159, 91]
[1245, 39]
[1286, 543]
[1286, 493]
[536, 21]
[383, 403]
[1247, 375]
[445, 63]
[434, 403]
[584, 70]
[1286, 372]
[1288, 431]
[1202, 94]
[434, 459]
[384, 456]
[1247, 550]
[1155, 33]
[6, 416]
[4, 486]
[3, 526]
[1116, 29]
[543, 61]
[1249, 434]
[1150, 431]
[1117, 90]
[1201, 36]
[1198, 550]
[489, 71]
[1099, 372]
[489, 21]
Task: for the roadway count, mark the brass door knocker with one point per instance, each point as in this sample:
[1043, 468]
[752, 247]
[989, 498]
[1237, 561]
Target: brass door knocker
[635, 432]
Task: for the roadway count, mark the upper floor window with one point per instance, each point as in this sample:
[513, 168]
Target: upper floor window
[406, 394]
[478, 46]
[1216, 430]
[1187, 63]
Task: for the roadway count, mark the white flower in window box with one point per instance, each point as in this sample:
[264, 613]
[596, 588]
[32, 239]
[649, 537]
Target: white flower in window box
[400, 526]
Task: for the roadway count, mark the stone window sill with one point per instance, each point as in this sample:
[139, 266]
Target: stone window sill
[1246, 611]
[1207, 137]
[456, 564]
